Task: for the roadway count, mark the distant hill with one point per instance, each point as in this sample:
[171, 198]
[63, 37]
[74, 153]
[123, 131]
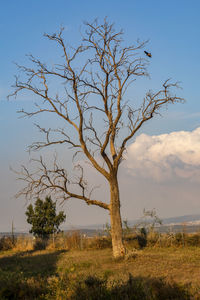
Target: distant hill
[182, 219]
[166, 221]
[191, 223]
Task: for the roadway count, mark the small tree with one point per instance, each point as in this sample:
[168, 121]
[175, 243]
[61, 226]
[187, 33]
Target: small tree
[43, 218]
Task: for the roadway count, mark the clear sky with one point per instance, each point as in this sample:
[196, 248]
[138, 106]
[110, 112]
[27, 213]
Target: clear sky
[173, 30]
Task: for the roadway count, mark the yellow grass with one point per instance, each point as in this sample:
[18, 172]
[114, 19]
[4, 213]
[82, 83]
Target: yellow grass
[181, 265]
[43, 272]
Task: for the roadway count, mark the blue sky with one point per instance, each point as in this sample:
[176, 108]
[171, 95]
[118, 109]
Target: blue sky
[173, 30]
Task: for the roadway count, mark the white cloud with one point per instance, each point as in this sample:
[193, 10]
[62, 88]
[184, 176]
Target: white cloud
[166, 156]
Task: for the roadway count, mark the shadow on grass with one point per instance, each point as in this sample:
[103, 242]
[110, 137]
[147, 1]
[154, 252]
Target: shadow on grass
[31, 264]
[135, 288]
[25, 275]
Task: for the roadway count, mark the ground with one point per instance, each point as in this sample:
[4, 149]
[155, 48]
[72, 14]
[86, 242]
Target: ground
[50, 274]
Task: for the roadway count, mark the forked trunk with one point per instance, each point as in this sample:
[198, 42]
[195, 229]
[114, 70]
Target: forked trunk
[115, 218]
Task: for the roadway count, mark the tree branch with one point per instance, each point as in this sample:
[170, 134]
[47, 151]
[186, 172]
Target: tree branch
[54, 180]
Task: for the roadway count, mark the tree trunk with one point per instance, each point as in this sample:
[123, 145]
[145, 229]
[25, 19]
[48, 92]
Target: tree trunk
[115, 217]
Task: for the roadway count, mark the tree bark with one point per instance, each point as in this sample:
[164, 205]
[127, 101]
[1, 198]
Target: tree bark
[115, 218]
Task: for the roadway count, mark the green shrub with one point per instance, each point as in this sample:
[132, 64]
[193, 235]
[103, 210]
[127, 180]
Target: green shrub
[137, 241]
[142, 237]
[44, 218]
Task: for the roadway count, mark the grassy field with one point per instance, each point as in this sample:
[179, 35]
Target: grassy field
[152, 273]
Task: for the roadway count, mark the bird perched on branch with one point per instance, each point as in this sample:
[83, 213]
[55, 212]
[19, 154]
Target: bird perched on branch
[148, 54]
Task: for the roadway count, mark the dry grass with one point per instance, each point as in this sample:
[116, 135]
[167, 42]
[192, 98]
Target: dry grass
[45, 271]
[181, 265]
[57, 273]
[23, 243]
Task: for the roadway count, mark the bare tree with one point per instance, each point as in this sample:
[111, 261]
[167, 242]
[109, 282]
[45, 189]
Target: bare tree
[94, 90]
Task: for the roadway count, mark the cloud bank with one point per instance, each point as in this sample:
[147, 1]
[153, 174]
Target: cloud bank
[166, 156]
